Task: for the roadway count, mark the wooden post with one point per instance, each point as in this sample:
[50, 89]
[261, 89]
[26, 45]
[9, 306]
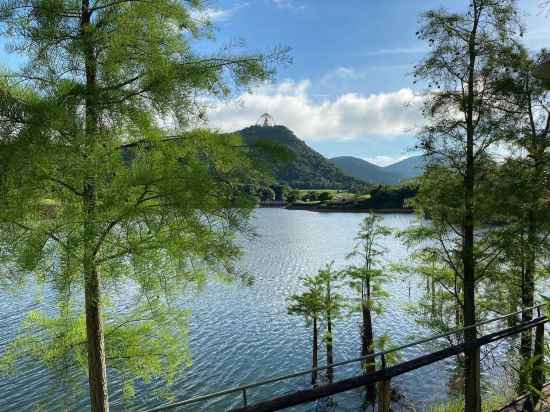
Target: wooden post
[537, 377]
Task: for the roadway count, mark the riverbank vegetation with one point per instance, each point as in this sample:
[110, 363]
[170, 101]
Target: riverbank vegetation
[388, 197]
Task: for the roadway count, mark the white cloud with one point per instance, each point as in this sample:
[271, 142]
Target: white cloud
[339, 75]
[348, 116]
[217, 14]
[345, 72]
[384, 161]
[342, 73]
[399, 50]
[288, 4]
[348, 76]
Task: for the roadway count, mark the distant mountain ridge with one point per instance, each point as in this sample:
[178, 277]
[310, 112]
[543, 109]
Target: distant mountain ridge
[308, 170]
[410, 167]
[311, 170]
[368, 172]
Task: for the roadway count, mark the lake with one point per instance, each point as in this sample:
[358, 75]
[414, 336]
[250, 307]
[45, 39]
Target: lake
[240, 335]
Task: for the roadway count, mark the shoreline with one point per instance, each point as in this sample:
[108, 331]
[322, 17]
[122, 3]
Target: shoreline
[335, 210]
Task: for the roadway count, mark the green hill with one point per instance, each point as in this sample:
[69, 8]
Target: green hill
[363, 170]
[308, 169]
[408, 168]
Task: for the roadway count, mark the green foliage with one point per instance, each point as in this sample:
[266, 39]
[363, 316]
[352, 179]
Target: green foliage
[321, 299]
[309, 304]
[266, 194]
[281, 192]
[381, 344]
[367, 278]
[383, 197]
[489, 405]
[310, 197]
[102, 176]
[150, 341]
[464, 123]
[293, 196]
[330, 283]
[391, 197]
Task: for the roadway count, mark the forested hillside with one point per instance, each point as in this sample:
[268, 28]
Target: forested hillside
[308, 169]
[366, 171]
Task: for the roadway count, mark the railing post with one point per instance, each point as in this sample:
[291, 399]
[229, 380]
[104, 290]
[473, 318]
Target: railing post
[537, 376]
[245, 403]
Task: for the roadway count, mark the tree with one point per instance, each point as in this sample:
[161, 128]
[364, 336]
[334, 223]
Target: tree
[310, 305]
[320, 302]
[462, 64]
[324, 196]
[525, 101]
[266, 194]
[293, 196]
[310, 197]
[366, 280]
[103, 183]
[333, 303]
[280, 191]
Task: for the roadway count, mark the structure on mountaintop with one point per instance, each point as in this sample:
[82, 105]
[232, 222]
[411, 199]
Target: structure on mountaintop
[265, 120]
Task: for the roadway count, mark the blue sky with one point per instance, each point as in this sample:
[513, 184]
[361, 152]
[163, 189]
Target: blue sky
[349, 89]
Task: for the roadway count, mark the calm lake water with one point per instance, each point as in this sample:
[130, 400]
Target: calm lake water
[241, 335]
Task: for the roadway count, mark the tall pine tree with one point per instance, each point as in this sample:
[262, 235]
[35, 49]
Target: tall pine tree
[459, 71]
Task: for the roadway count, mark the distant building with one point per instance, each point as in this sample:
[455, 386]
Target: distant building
[265, 120]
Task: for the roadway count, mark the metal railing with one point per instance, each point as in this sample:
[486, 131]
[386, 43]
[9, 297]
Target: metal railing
[381, 354]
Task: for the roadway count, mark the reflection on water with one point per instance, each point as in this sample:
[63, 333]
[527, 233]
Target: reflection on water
[241, 335]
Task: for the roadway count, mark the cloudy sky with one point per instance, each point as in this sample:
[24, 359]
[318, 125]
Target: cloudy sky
[349, 89]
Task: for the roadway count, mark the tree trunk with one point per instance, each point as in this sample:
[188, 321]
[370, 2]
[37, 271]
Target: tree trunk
[527, 301]
[528, 281]
[367, 348]
[472, 393]
[434, 307]
[314, 361]
[330, 357]
[384, 396]
[97, 368]
[472, 368]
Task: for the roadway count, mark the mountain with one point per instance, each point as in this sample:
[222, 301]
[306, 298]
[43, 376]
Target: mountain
[396, 173]
[408, 168]
[307, 170]
[363, 170]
